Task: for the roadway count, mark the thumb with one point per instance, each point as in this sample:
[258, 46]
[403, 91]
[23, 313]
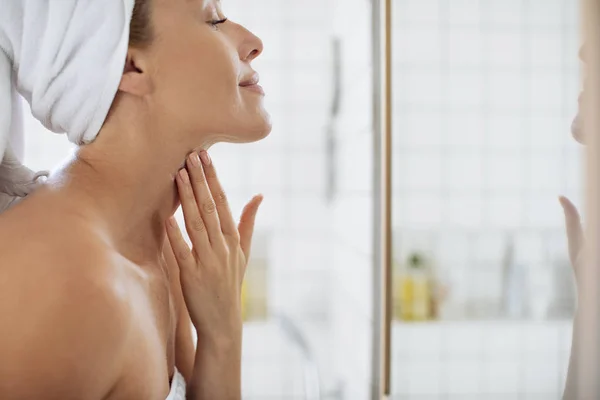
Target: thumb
[246, 226]
[574, 229]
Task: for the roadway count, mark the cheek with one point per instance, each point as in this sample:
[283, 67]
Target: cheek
[197, 88]
[200, 78]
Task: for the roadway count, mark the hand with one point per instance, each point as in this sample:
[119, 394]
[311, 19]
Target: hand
[213, 271]
[582, 363]
[575, 237]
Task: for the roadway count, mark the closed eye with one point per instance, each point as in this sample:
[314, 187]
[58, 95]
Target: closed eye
[218, 22]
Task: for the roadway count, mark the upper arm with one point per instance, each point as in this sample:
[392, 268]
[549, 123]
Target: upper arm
[60, 337]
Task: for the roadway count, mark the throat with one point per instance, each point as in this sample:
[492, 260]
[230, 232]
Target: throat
[130, 210]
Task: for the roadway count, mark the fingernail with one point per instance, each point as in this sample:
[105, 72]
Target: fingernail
[205, 157]
[194, 159]
[172, 222]
[184, 176]
[561, 200]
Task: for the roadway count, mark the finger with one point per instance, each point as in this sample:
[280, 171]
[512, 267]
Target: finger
[168, 252]
[574, 228]
[194, 224]
[206, 204]
[227, 223]
[246, 226]
[181, 250]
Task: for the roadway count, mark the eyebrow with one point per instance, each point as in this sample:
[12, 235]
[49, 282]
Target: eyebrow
[217, 2]
[204, 3]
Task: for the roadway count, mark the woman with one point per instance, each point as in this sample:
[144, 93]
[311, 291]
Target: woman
[90, 307]
[585, 309]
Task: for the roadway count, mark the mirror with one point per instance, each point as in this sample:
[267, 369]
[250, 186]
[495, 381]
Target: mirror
[483, 96]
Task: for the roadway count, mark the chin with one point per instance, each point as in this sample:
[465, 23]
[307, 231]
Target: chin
[265, 129]
[256, 135]
[249, 132]
[577, 129]
[256, 131]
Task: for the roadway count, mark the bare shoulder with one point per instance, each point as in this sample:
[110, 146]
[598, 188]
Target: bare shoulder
[64, 317]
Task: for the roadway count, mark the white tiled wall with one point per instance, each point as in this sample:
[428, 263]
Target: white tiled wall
[352, 292]
[289, 169]
[484, 95]
[475, 360]
[482, 113]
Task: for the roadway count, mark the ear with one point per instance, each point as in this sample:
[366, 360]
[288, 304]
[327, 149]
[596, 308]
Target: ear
[136, 78]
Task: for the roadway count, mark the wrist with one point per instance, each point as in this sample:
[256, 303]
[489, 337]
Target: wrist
[222, 340]
[223, 329]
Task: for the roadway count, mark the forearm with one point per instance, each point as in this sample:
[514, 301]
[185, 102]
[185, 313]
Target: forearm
[582, 380]
[570, 391]
[184, 350]
[217, 369]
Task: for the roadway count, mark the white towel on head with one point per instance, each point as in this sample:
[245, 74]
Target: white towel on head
[66, 58]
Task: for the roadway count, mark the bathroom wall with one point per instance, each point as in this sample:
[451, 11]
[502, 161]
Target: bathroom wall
[484, 95]
[295, 221]
[469, 360]
[353, 267]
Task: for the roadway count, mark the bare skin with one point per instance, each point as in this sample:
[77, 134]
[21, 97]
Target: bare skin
[576, 241]
[90, 323]
[212, 273]
[91, 300]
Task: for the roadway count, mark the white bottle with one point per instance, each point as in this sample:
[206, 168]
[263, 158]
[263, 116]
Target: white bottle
[514, 286]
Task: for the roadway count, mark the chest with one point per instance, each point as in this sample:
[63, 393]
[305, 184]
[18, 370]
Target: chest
[151, 355]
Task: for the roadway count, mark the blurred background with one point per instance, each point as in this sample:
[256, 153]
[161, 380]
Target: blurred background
[483, 95]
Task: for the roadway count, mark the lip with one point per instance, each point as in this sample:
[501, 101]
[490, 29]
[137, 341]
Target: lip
[255, 88]
[252, 84]
[251, 81]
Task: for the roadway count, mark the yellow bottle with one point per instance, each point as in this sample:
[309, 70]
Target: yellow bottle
[415, 290]
[421, 303]
[254, 295]
[405, 291]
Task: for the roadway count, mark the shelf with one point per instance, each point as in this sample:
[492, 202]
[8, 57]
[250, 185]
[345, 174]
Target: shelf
[483, 322]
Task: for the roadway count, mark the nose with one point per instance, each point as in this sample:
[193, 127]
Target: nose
[251, 46]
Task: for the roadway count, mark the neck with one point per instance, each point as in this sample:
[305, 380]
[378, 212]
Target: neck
[126, 185]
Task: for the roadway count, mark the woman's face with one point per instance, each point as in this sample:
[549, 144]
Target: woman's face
[201, 72]
[577, 125]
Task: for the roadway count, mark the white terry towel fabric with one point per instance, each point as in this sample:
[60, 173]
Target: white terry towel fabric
[66, 58]
[177, 387]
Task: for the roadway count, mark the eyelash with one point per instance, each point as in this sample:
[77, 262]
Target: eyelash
[218, 22]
